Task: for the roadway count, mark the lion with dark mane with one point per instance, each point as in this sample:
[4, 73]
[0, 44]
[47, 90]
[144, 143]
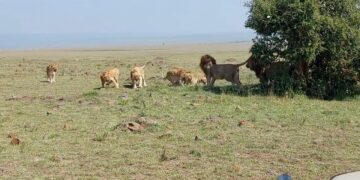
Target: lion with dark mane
[266, 72]
[206, 60]
[214, 71]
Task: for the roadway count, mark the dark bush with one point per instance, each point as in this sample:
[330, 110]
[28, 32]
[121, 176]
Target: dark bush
[323, 34]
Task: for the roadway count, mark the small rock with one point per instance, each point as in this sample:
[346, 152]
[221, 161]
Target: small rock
[133, 126]
[15, 141]
[242, 122]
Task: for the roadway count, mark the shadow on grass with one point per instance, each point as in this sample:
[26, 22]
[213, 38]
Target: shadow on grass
[258, 89]
[44, 81]
[129, 86]
[243, 90]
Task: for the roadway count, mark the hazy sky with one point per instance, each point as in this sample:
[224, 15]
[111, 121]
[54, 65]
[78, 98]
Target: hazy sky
[122, 16]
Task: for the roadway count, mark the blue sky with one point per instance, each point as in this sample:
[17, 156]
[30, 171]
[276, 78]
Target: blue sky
[171, 17]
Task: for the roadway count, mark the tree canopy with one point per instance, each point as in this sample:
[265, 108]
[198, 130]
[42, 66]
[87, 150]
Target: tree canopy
[325, 34]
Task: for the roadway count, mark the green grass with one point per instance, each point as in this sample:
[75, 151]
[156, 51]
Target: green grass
[72, 129]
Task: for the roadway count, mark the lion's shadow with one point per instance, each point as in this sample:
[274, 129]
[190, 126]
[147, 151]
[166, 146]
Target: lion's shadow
[243, 90]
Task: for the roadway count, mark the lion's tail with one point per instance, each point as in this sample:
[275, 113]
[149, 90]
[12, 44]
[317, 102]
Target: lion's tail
[243, 63]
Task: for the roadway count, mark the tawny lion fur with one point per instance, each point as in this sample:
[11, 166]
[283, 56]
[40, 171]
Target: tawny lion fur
[192, 78]
[174, 75]
[181, 76]
[51, 72]
[137, 76]
[110, 76]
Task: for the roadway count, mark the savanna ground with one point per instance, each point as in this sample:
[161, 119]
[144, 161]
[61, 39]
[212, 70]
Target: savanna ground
[71, 129]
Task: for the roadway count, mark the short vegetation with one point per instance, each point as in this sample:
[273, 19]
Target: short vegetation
[73, 129]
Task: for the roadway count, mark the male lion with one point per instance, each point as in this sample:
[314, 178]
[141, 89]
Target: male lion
[214, 71]
[208, 61]
[137, 76]
[51, 72]
[110, 76]
[267, 72]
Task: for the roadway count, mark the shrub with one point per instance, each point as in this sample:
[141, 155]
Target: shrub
[325, 34]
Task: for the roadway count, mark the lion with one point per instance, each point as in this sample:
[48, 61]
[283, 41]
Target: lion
[174, 75]
[110, 76]
[214, 71]
[191, 78]
[181, 76]
[267, 72]
[208, 61]
[51, 72]
[137, 76]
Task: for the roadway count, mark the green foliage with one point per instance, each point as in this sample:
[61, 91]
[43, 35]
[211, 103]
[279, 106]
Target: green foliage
[317, 32]
[123, 101]
[331, 80]
[356, 66]
[283, 85]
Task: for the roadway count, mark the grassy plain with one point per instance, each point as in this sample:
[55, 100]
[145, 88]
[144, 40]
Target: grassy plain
[71, 129]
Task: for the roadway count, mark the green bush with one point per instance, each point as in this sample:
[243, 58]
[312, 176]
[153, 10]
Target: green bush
[328, 81]
[356, 66]
[283, 85]
[325, 34]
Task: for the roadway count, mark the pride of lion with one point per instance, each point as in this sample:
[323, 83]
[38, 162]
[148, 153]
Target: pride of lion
[211, 71]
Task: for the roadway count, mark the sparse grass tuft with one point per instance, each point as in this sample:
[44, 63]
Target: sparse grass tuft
[91, 94]
[100, 137]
